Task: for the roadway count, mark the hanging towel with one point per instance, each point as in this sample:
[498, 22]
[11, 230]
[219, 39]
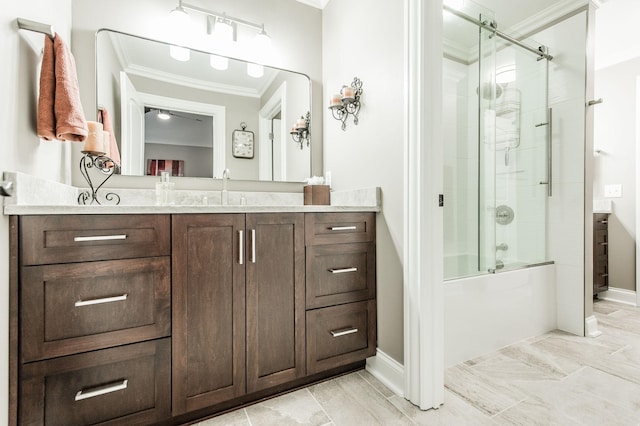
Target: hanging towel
[46, 117]
[105, 119]
[60, 114]
[70, 122]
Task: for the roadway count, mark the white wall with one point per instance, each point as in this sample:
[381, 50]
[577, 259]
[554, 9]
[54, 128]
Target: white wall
[615, 135]
[22, 150]
[295, 30]
[565, 231]
[365, 41]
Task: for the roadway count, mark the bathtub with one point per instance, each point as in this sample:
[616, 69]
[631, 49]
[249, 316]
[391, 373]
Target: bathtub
[486, 312]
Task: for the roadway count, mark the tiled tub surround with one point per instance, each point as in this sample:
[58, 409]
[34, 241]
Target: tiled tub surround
[33, 195]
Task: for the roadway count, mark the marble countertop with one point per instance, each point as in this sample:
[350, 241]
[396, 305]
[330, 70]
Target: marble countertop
[22, 210]
[35, 196]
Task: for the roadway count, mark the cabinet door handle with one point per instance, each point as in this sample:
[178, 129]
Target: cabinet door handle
[603, 221]
[604, 275]
[343, 228]
[253, 246]
[342, 270]
[241, 247]
[101, 300]
[343, 332]
[101, 390]
[604, 244]
[100, 238]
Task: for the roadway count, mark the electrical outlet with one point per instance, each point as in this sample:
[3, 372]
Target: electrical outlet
[613, 191]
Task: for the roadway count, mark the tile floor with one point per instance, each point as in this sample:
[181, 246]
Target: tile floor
[554, 379]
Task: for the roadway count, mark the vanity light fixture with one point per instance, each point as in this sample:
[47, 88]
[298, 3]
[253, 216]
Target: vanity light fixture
[301, 130]
[347, 102]
[222, 27]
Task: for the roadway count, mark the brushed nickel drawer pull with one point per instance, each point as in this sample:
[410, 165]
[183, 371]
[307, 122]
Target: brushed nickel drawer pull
[101, 300]
[343, 332]
[342, 270]
[604, 275]
[101, 238]
[604, 244]
[253, 246]
[343, 228]
[101, 390]
[603, 221]
[241, 248]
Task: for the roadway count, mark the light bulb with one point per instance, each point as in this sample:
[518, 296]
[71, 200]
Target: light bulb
[219, 62]
[163, 115]
[255, 70]
[179, 19]
[262, 41]
[179, 53]
[223, 31]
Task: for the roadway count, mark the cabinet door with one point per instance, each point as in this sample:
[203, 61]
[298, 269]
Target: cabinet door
[275, 299]
[208, 310]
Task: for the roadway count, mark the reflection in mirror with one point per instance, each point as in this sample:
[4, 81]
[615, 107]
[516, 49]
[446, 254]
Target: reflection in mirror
[139, 82]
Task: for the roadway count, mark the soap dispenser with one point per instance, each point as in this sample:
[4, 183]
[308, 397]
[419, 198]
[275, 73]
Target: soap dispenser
[165, 190]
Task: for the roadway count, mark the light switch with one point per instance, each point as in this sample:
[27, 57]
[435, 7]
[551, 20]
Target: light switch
[613, 191]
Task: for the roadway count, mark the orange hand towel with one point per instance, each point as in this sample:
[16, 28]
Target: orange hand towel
[70, 122]
[46, 116]
[105, 119]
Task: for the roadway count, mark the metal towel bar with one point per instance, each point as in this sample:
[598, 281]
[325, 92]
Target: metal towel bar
[26, 24]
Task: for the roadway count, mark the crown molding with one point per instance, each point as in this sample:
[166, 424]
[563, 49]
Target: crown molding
[190, 82]
[543, 18]
[319, 4]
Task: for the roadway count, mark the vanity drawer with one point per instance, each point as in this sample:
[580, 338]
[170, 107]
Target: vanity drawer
[79, 307]
[340, 335]
[125, 385]
[336, 228]
[340, 273]
[81, 238]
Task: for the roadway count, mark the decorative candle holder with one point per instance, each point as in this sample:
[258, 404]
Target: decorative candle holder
[301, 132]
[347, 103]
[92, 160]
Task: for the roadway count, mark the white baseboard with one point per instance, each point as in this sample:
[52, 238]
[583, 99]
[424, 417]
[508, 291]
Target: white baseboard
[389, 371]
[591, 327]
[619, 295]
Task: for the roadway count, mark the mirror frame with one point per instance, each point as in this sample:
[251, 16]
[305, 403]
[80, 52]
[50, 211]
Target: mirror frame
[226, 142]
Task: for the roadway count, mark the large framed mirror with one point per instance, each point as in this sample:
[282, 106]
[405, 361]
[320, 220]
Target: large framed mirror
[181, 116]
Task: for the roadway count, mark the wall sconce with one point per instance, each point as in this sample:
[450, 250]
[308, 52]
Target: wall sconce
[300, 131]
[347, 102]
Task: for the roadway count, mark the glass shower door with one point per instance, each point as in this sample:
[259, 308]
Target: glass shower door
[520, 156]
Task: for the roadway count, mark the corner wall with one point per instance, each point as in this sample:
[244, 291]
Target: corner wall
[567, 41]
[365, 40]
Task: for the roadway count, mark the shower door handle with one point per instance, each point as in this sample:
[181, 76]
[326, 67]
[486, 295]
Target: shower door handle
[550, 153]
[549, 125]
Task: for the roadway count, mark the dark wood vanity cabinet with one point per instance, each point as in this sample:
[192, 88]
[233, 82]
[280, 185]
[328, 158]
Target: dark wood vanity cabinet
[238, 305]
[600, 253]
[93, 319]
[341, 289]
[143, 319]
